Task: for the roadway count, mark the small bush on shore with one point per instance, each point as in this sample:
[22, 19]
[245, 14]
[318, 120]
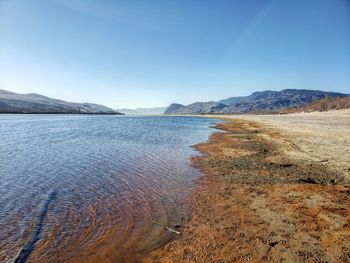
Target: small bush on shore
[326, 104]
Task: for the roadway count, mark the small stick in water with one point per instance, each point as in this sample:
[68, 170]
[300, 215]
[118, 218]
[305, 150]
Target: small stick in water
[168, 228]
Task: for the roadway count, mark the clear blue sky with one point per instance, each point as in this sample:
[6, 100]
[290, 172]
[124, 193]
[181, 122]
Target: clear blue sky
[152, 53]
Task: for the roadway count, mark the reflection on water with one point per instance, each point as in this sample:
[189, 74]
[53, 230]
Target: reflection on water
[111, 175]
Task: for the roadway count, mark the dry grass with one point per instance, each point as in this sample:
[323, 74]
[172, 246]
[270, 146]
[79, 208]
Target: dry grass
[326, 104]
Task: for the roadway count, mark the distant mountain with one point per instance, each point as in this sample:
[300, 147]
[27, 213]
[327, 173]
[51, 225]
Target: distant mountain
[232, 100]
[258, 101]
[11, 102]
[195, 108]
[275, 100]
[173, 108]
[143, 111]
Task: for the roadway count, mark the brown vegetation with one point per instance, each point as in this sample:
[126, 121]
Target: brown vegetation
[326, 104]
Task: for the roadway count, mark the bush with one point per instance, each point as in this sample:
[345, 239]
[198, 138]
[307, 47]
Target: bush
[326, 104]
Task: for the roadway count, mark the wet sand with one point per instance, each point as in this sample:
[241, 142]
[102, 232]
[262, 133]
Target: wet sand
[276, 189]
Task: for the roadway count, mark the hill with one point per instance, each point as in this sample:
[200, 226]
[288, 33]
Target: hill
[11, 102]
[173, 108]
[326, 104]
[256, 102]
[143, 111]
[232, 100]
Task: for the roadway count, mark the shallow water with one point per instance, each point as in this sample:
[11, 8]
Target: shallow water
[110, 175]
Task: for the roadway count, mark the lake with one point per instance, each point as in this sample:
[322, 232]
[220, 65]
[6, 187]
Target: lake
[86, 188]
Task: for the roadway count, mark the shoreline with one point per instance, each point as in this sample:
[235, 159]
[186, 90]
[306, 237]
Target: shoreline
[258, 201]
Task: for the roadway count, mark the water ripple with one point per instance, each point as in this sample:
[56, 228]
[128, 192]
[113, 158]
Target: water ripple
[114, 176]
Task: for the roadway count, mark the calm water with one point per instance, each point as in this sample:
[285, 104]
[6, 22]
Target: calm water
[87, 188]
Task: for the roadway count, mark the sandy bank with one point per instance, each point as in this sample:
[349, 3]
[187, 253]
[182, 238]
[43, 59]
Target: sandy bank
[276, 190]
[315, 136]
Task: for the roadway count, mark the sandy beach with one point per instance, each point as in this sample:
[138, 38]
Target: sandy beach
[275, 189]
[313, 137]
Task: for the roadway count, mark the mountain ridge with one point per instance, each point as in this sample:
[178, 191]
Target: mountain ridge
[11, 102]
[258, 101]
[143, 111]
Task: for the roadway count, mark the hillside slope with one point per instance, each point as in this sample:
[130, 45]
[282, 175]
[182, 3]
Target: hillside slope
[275, 100]
[11, 102]
[258, 101]
[143, 111]
[173, 108]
